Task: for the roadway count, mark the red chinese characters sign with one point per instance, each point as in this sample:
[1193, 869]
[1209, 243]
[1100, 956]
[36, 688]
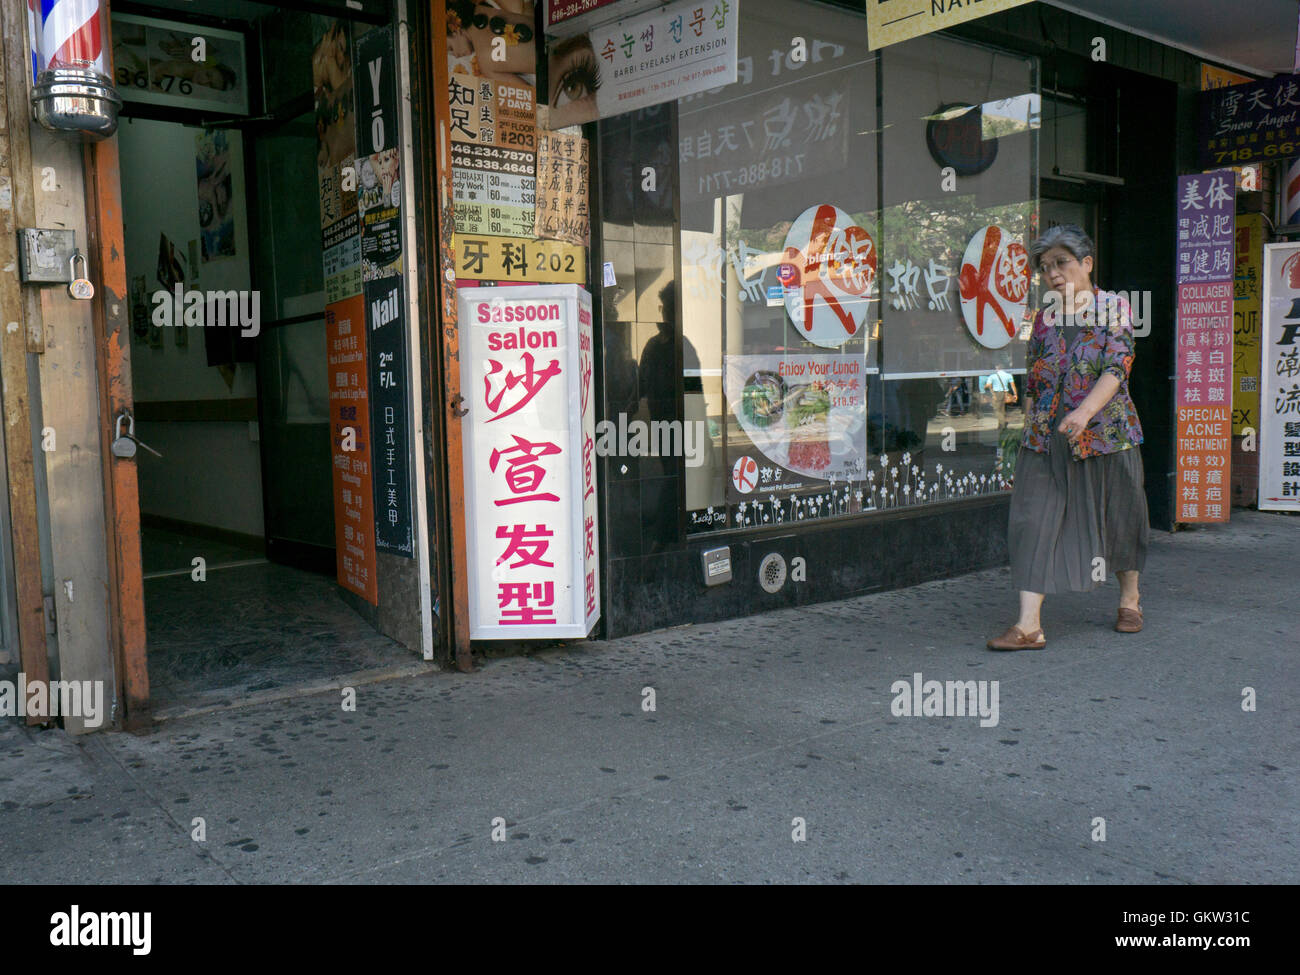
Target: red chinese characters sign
[354, 540]
[530, 462]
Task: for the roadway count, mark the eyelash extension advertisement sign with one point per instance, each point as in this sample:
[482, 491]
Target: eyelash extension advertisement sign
[678, 50]
[567, 17]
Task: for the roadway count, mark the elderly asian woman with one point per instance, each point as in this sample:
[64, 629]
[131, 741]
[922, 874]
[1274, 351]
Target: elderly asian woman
[1078, 508]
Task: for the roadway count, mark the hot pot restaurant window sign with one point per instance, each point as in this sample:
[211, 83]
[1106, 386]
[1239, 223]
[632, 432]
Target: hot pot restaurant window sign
[802, 414]
[530, 462]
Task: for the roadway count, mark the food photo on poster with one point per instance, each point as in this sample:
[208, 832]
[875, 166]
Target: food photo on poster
[803, 420]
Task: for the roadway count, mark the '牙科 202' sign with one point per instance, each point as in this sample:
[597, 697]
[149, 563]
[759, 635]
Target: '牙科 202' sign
[891, 21]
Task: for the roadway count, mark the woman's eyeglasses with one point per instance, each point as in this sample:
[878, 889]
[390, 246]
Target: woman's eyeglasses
[498, 25]
[1047, 267]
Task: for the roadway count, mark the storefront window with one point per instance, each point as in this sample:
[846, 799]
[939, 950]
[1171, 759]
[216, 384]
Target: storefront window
[833, 352]
[778, 266]
[959, 174]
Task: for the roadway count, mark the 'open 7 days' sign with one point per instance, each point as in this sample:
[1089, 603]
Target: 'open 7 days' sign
[891, 21]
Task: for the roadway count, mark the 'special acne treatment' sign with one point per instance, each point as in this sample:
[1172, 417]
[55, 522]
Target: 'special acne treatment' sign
[530, 462]
[1203, 389]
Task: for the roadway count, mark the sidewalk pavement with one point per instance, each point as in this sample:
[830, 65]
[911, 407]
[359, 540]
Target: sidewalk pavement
[757, 722]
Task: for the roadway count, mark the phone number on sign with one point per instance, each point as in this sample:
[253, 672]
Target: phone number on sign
[163, 83]
[777, 167]
[1270, 150]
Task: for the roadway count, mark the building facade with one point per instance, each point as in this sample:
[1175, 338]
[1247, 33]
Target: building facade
[804, 355]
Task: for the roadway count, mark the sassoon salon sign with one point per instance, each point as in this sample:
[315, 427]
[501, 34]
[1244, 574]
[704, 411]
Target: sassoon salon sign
[530, 471]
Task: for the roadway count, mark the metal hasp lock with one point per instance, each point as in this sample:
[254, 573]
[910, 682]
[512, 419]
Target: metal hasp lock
[80, 288]
[124, 444]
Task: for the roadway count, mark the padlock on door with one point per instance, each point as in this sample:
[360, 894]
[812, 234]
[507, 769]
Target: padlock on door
[125, 444]
[80, 288]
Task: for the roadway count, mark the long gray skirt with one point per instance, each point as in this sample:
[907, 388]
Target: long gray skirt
[1066, 512]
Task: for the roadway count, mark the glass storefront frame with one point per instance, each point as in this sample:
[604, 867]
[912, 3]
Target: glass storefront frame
[669, 482]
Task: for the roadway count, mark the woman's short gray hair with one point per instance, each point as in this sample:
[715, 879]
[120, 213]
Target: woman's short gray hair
[1067, 235]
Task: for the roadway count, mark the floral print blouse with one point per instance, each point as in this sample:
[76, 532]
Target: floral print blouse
[1104, 345]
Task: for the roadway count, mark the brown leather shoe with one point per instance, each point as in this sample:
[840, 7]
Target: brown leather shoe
[1017, 639]
[1129, 621]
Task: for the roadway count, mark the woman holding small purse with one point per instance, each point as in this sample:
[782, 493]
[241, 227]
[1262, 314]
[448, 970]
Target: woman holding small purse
[1078, 507]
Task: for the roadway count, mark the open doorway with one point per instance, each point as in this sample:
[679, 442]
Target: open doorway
[222, 146]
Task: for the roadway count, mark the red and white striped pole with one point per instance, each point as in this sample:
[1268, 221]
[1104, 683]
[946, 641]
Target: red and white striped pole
[68, 35]
[1291, 204]
[72, 91]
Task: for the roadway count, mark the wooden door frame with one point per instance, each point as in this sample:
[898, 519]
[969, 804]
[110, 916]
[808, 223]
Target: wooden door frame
[103, 177]
[17, 345]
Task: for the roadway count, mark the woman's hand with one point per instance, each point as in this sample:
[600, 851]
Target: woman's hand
[1078, 418]
[1075, 421]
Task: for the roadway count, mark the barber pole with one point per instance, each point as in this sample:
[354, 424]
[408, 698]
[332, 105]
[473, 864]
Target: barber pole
[33, 38]
[67, 34]
[1292, 210]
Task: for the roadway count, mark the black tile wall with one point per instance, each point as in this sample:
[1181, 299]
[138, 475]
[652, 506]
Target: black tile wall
[843, 558]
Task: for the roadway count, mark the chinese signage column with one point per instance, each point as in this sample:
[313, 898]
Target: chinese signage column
[1203, 393]
[1245, 327]
[345, 316]
[379, 196]
[530, 488]
[563, 166]
[354, 522]
[1279, 407]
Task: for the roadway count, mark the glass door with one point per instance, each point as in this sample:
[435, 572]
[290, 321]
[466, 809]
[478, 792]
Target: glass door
[292, 368]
